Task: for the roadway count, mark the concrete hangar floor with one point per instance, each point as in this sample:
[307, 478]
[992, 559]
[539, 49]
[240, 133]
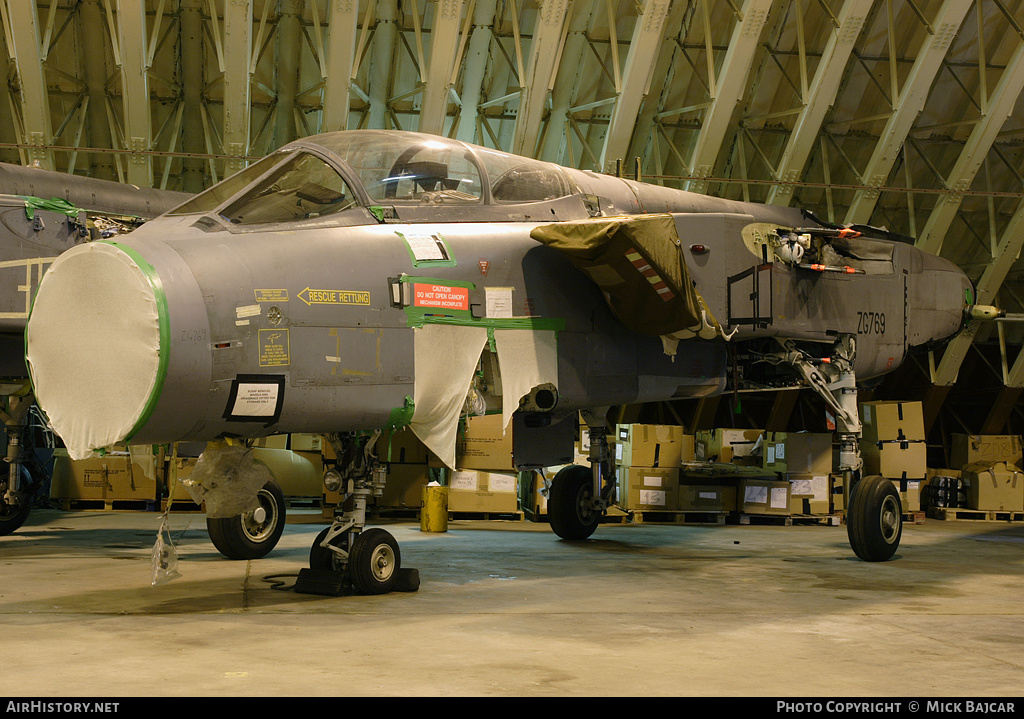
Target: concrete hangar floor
[505, 608]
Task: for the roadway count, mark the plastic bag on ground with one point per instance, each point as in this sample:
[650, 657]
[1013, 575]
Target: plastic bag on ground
[165, 558]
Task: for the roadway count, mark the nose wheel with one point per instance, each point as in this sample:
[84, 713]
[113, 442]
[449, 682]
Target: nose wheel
[343, 561]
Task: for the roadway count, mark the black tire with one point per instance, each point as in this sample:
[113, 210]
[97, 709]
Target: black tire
[570, 511]
[874, 521]
[12, 516]
[242, 537]
[321, 558]
[374, 562]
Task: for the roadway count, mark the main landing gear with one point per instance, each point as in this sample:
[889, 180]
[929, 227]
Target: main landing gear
[579, 496]
[17, 485]
[347, 557]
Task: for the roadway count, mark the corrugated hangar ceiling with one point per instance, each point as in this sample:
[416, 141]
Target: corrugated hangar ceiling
[907, 114]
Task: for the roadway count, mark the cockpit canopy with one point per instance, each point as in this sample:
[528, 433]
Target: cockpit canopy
[329, 173]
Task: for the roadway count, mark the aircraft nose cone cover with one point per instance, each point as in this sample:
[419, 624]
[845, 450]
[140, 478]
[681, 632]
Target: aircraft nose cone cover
[93, 344]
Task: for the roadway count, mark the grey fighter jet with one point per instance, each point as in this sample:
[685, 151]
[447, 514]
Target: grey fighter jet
[355, 282]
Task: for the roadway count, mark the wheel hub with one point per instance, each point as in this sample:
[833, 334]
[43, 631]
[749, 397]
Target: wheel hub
[890, 519]
[261, 522]
[382, 562]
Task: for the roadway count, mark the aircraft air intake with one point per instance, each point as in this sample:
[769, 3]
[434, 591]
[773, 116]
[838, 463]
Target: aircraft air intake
[95, 344]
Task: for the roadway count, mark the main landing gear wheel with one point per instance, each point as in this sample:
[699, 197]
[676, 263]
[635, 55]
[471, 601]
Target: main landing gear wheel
[13, 515]
[874, 521]
[571, 511]
[254, 534]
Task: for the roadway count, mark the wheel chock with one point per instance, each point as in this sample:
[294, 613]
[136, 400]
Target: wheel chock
[328, 582]
[408, 580]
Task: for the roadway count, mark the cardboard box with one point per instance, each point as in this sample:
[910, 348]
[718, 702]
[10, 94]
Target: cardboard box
[772, 451]
[118, 475]
[305, 442]
[484, 444]
[836, 489]
[970, 448]
[809, 493]
[889, 421]
[648, 488]
[725, 445]
[403, 488]
[274, 441]
[402, 446]
[763, 496]
[531, 498]
[705, 497]
[478, 491]
[651, 445]
[994, 486]
[910, 494]
[797, 452]
[895, 460]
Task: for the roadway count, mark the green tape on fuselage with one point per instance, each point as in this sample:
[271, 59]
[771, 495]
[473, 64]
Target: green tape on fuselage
[417, 317]
[164, 322]
[402, 416]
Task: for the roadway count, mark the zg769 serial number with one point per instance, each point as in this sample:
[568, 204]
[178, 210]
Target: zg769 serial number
[871, 323]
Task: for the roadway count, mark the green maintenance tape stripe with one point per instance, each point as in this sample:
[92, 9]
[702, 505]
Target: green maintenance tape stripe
[416, 317]
[163, 317]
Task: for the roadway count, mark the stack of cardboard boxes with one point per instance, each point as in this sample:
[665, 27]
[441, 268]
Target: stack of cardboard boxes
[989, 470]
[485, 478]
[893, 445]
[648, 458]
[805, 461]
[408, 469]
[790, 473]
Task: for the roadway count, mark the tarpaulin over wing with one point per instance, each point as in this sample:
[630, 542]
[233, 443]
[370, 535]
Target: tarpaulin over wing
[638, 263]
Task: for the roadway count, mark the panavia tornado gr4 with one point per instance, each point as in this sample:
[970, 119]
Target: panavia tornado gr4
[355, 282]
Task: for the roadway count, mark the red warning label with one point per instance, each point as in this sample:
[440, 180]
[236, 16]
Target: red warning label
[441, 297]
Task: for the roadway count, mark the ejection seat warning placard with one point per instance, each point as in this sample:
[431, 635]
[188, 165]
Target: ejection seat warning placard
[440, 296]
[275, 349]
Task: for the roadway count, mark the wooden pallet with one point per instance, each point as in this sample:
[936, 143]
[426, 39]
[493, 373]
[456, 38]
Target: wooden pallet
[975, 515]
[107, 505]
[913, 517]
[182, 505]
[490, 516]
[789, 520]
[637, 516]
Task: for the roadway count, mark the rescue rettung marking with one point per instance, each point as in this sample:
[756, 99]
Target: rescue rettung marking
[334, 297]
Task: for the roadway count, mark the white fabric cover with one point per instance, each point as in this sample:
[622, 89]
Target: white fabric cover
[446, 358]
[93, 346]
[527, 359]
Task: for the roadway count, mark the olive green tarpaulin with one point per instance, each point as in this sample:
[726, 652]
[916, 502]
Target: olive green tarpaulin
[637, 261]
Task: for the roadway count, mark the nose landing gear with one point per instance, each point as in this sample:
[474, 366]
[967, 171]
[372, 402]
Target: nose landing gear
[346, 557]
